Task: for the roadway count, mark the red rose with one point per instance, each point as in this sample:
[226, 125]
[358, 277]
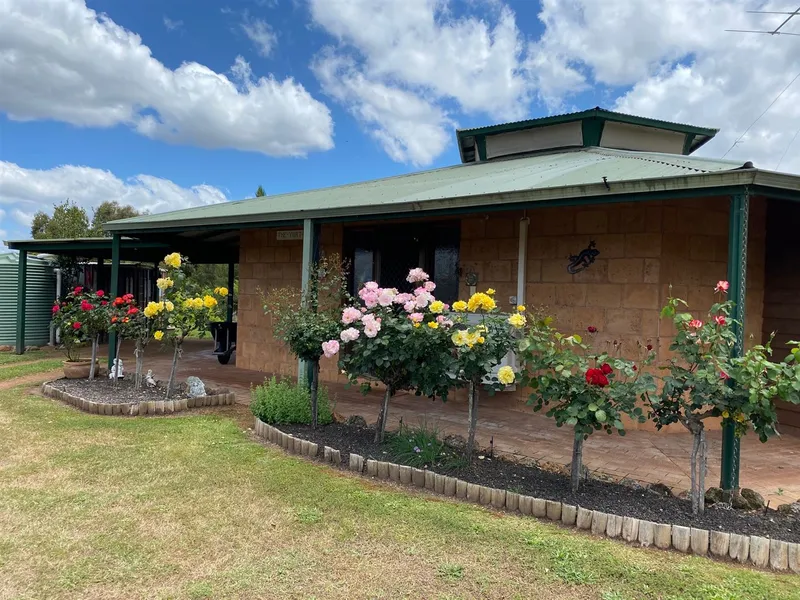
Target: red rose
[724, 375]
[100, 293]
[55, 309]
[128, 296]
[596, 377]
[76, 325]
[635, 368]
[133, 310]
[86, 305]
[77, 290]
[649, 347]
[103, 302]
[606, 369]
[113, 319]
[720, 320]
[591, 329]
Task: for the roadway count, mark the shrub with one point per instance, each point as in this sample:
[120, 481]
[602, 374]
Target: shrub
[421, 446]
[282, 402]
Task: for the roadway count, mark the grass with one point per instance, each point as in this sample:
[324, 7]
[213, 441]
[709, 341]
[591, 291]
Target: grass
[7, 358]
[189, 507]
[13, 371]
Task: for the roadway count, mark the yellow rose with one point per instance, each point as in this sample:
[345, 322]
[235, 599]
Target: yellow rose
[725, 414]
[481, 301]
[152, 309]
[197, 303]
[158, 335]
[520, 308]
[164, 283]
[169, 306]
[490, 291]
[188, 303]
[209, 301]
[459, 306]
[481, 340]
[221, 291]
[517, 320]
[459, 337]
[437, 306]
[506, 375]
[416, 325]
[173, 260]
[433, 325]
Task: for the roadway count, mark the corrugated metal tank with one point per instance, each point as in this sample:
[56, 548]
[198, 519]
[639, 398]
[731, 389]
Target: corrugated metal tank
[41, 291]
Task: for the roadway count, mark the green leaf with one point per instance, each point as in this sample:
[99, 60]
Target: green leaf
[592, 407]
[600, 415]
[577, 338]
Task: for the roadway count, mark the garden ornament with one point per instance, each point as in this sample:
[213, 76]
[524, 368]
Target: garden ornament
[149, 380]
[117, 370]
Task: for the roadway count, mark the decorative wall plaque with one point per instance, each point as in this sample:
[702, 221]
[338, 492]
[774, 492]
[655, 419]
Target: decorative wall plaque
[582, 260]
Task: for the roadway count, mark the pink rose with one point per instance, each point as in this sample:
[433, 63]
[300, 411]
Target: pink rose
[724, 375]
[416, 275]
[350, 315]
[349, 335]
[722, 286]
[370, 299]
[720, 320]
[416, 317]
[330, 348]
[430, 286]
[695, 324]
[410, 306]
[371, 325]
[386, 296]
[371, 285]
[402, 298]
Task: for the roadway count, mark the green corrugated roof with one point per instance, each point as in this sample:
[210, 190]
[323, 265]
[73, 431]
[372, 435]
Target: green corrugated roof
[585, 166]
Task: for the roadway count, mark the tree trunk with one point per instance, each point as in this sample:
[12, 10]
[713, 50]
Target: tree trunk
[383, 416]
[576, 471]
[171, 381]
[94, 356]
[474, 392]
[139, 363]
[698, 467]
[701, 468]
[313, 393]
[116, 355]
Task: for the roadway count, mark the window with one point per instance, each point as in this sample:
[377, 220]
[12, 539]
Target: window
[385, 253]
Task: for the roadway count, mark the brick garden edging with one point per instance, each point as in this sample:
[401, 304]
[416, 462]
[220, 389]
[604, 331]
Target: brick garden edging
[759, 551]
[150, 407]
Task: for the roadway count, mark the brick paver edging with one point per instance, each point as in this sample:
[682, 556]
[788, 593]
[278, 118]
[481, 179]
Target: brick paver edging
[151, 407]
[759, 551]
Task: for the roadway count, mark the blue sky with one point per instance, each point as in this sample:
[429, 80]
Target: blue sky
[294, 94]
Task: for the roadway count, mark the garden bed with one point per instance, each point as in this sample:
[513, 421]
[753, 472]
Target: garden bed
[103, 390]
[609, 497]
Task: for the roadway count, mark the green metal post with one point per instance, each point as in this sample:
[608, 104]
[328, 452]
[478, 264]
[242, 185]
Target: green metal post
[229, 316]
[308, 259]
[113, 292]
[737, 278]
[22, 281]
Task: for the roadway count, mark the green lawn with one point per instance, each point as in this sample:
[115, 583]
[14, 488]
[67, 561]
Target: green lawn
[190, 507]
[12, 371]
[7, 358]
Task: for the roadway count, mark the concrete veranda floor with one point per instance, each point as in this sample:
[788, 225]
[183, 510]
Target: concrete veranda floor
[772, 469]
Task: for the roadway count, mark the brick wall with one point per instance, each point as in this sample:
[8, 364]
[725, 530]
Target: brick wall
[782, 293]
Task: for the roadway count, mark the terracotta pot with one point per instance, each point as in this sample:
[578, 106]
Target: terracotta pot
[79, 369]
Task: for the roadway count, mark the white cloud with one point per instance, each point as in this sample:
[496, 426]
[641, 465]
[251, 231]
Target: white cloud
[408, 128]
[172, 25]
[679, 64]
[26, 191]
[415, 50]
[260, 33]
[60, 60]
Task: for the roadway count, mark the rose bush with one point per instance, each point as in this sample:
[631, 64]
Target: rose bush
[130, 323]
[82, 316]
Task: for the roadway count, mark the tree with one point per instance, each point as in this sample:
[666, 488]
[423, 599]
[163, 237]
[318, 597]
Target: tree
[260, 192]
[68, 221]
[109, 211]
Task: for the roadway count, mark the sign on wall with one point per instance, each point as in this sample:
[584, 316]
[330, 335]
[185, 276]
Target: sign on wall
[291, 234]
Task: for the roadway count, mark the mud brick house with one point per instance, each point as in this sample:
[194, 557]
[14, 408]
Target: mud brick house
[593, 215]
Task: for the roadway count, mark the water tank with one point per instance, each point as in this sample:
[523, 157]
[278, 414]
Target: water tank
[41, 291]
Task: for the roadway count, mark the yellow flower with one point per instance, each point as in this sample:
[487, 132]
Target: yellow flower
[417, 325]
[221, 291]
[209, 301]
[459, 306]
[169, 306]
[481, 301]
[520, 308]
[188, 303]
[433, 325]
[152, 309]
[437, 306]
[506, 375]
[517, 320]
[173, 260]
[459, 337]
[490, 291]
[481, 340]
[725, 414]
[197, 303]
[164, 283]
[158, 335]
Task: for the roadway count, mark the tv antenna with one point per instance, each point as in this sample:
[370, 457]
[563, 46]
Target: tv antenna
[777, 30]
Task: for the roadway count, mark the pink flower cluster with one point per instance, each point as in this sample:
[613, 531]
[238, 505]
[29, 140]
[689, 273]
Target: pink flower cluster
[330, 348]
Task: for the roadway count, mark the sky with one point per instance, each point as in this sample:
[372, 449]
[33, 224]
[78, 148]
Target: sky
[172, 104]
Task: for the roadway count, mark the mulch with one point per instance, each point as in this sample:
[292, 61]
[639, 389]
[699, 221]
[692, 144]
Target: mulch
[630, 500]
[103, 390]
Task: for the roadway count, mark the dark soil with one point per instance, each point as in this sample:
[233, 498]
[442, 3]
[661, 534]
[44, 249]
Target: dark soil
[619, 499]
[103, 390]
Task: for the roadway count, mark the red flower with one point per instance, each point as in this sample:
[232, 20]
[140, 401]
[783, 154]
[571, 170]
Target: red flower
[55, 309]
[695, 324]
[720, 320]
[649, 347]
[103, 302]
[722, 286]
[591, 329]
[86, 305]
[133, 310]
[128, 296]
[635, 368]
[596, 377]
[125, 320]
[724, 375]
[606, 369]
[76, 325]
[118, 301]
[100, 293]
[77, 290]
[113, 319]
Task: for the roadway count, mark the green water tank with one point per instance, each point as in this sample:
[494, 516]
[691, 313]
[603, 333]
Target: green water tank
[41, 291]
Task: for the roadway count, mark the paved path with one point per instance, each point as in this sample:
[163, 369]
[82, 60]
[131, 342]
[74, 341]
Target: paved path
[773, 469]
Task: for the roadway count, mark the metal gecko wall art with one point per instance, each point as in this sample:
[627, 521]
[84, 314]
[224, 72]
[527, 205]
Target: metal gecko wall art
[582, 260]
